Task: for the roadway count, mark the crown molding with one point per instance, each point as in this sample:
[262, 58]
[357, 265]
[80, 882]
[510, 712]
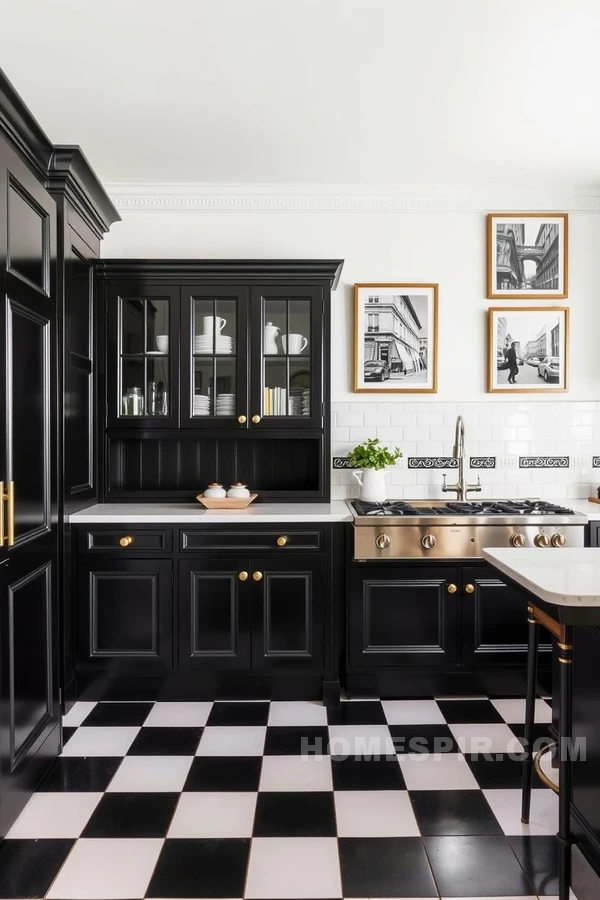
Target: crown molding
[340, 198]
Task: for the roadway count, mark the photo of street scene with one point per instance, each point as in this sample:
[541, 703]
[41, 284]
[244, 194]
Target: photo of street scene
[395, 337]
[527, 256]
[528, 349]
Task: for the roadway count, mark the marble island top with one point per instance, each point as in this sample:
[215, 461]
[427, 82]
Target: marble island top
[186, 513]
[562, 576]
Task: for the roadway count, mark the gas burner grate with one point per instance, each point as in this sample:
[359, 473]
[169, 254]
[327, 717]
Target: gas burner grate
[462, 508]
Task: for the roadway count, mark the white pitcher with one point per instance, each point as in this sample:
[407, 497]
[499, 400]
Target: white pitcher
[271, 334]
[372, 484]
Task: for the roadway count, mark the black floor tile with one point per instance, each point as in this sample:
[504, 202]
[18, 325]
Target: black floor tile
[297, 740]
[80, 773]
[295, 814]
[166, 742]
[541, 734]
[367, 775]
[423, 739]
[453, 813]
[539, 857]
[239, 714]
[200, 868]
[118, 714]
[137, 691]
[67, 733]
[470, 712]
[226, 773]
[502, 772]
[138, 815]
[357, 712]
[476, 866]
[385, 867]
[28, 868]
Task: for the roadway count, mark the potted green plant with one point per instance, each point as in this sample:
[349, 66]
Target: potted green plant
[372, 458]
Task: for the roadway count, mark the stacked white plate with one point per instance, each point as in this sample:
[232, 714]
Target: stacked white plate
[204, 343]
[225, 404]
[201, 405]
[295, 402]
[306, 403]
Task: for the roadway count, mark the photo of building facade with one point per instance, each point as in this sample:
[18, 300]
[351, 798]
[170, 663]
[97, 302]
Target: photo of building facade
[395, 334]
[527, 255]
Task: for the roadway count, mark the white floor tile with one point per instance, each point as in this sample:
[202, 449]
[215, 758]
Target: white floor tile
[55, 815]
[296, 773]
[156, 774]
[106, 869]
[78, 712]
[413, 712]
[486, 738]
[214, 815]
[436, 772]
[375, 814]
[293, 867]
[506, 806]
[513, 711]
[360, 741]
[300, 712]
[247, 740]
[106, 741]
[174, 715]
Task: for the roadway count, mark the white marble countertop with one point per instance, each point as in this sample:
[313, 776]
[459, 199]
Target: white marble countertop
[563, 576]
[591, 510]
[186, 513]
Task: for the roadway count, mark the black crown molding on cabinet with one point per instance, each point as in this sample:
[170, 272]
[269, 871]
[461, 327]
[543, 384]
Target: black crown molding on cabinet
[22, 130]
[71, 174]
[543, 462]
[482, 462]
[432, 462]
[234, 270]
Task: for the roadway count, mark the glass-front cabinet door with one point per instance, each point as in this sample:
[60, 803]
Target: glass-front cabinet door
[214, 348]
[143, 355]
[286, 357]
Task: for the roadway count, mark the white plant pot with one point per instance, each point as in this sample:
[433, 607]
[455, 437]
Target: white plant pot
[372, 484]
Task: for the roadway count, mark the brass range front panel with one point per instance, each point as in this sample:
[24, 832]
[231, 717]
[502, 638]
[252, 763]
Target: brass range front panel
[381, 541]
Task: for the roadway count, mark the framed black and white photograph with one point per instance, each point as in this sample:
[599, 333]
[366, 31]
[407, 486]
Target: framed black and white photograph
[395, 338]
[528, 349]
[527, 255]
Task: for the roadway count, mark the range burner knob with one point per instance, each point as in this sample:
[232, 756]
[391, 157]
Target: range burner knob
[428, 541]
[517, 540]
[558, 540]
[541, 540]
[383, 541]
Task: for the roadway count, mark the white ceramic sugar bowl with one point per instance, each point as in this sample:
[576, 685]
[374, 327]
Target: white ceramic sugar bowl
[238, 491]
[215, 491]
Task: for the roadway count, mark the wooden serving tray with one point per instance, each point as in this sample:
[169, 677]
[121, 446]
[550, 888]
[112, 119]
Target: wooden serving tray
[594, 499]
[226, 502]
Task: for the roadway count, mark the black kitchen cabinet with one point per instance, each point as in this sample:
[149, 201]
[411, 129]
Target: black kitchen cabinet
[125, 616]
[403, 616]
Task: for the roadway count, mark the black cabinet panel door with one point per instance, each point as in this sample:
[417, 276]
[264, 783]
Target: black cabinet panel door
[494, 621]
[125, 616]
[214, 614]
[402, 617]
[288, 604]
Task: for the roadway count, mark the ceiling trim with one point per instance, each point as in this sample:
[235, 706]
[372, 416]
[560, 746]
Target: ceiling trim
[338, 198]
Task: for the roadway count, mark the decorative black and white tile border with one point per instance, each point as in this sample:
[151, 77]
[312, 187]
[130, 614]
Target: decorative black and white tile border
[341, 462]
[543, 462]
[432, 462]
[483, 462]
[596, 462]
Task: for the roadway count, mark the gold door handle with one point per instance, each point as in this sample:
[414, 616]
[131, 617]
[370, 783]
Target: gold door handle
[469, 588]
[282, 541]
[242, 420]
[126, 541]
[243, 576]
[255, 420]
[451, 588]
[257, 576]
[1, 513]
[9, 497]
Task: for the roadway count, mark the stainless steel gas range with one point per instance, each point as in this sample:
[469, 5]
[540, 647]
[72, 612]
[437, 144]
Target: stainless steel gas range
[426, 529]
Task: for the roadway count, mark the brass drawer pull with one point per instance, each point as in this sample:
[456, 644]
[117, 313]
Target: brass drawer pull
[257, 576]
[126, 541]
[469, 588]
[283, 540]
[243, 576]
[9, 497]
[255, 420]
[451, 588]
[242, 420]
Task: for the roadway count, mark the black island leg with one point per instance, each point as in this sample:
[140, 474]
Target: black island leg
[532, 665]
[565, 659]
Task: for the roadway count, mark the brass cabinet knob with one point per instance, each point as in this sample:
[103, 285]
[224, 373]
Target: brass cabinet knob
[428, 541]
[282, 541]
[558, 540]
[242, 420]
[451, 588]
[541, 540]
[255, 420]
[469, 588]
[517, 540]
[126, 541]
[243, 576]
[257, 576]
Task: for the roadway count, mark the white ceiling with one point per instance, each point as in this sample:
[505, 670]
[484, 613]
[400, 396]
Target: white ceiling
[322, 91]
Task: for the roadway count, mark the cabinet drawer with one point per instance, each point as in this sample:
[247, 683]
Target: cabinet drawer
[281, 540]
[151, 540]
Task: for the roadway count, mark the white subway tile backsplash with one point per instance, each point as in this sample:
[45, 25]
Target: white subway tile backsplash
[349, 418]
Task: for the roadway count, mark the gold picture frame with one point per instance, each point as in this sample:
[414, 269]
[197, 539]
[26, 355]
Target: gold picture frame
[516, 244]
[542, 359]
[395, 338]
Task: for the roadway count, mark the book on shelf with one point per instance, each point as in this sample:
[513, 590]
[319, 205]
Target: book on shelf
[275, 401]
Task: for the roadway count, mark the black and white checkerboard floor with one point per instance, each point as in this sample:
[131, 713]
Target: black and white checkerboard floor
[208, 800]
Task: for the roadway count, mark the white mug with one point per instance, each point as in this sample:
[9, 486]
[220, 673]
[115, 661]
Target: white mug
[162, 343]
[294, 344]
[209, 324]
